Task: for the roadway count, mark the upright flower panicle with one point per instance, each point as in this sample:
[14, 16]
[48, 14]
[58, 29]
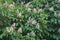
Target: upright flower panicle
[32, 21]
[9, 29]
[11, 6]
[58, 31]
[18, 13]
[51, 9]
[34, 10]
[58, 1]
[29, 9]
[32, 33]
[27, 5]
[20, 30]
[59, 14]
[40, 10]
[22, 2]
[37, 26]
[13, 25]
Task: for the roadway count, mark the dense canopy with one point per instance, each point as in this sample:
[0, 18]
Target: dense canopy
[29, 19]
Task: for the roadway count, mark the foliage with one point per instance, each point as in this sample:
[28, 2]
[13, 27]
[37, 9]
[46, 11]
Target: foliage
[29, 19]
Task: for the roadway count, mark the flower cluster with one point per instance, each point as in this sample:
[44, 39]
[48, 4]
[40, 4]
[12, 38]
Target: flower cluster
[11, 29]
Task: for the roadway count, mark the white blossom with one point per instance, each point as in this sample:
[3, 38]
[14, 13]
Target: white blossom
[9, 29]
[20, 30]
[11, 6]
[41, 15]
[40, 10]
[34, 10]
[55, 14]
[37, 26]
[13, 25]
[29, 20]
[58, 1]
[58, 31]
[32, 21]
[27, 5]
[59, 14]
[29, 9]
[51, 9]
[18, 13]
[22, 2]
[32, 33]
[28, 34]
